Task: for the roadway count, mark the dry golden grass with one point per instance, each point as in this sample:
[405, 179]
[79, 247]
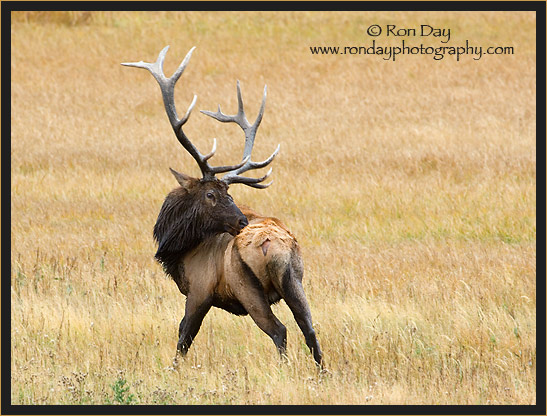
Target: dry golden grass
[410, 185]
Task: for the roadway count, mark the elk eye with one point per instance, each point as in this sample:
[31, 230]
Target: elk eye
[210, 195]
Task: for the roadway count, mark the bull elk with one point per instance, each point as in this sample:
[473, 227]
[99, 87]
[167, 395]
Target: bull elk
[220, 254]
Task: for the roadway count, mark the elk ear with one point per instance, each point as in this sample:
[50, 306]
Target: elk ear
[183, 179]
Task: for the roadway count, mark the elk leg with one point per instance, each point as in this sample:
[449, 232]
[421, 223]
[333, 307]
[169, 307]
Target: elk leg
[194, 313]
[254, 301]
[250, 293]
[263, 316]
[296, 300]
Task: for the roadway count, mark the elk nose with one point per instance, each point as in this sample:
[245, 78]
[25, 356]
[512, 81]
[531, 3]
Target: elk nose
[243, 223]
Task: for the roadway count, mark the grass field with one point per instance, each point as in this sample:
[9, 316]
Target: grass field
[410, 186]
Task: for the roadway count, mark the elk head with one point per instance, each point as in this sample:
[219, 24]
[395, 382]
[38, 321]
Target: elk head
[209, 194]
[212, 209]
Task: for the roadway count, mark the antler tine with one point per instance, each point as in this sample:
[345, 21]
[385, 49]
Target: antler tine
[250, 133]
[167, 86]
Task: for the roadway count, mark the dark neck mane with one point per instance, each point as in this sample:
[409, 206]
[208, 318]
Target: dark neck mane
[178, 230]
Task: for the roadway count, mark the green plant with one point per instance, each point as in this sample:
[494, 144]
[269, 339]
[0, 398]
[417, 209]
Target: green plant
[121, 393]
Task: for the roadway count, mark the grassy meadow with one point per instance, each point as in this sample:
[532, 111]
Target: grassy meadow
[410, 186]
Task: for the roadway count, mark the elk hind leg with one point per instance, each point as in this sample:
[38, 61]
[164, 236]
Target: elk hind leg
[294, 296]
[264, 318]
[250, 293]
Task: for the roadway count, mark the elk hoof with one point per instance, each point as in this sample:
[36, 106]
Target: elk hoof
[176, 361]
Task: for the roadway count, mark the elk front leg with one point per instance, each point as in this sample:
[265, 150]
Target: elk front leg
[195, 311]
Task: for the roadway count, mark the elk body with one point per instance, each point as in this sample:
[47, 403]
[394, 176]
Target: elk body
[221, 255]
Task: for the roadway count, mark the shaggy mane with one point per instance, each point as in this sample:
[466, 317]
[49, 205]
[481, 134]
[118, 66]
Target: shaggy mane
[179, 228]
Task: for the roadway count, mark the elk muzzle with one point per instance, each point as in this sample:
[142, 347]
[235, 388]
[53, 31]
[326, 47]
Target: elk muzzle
[235, 226]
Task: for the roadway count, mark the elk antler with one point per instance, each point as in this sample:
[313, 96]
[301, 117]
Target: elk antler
[250, 132]
[167, 86]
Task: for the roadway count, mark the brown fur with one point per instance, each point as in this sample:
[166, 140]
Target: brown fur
[243, 274]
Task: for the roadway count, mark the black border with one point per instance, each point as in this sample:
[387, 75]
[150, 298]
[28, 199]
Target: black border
[8, 408]
[465, 5]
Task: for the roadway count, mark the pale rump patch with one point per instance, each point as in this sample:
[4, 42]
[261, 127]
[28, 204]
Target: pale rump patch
[265, 241]
[264, 230]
